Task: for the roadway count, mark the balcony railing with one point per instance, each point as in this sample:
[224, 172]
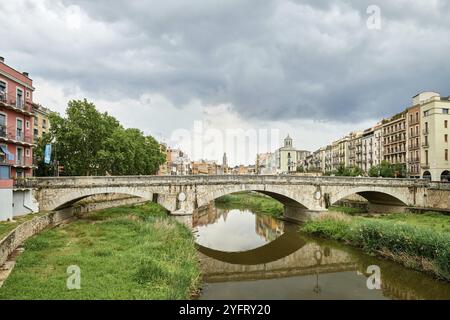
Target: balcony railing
[13, 135]
[24, 183]
[10, 100]
[17, 162]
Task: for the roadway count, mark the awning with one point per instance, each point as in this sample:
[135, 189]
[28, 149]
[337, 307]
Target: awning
[8, 154]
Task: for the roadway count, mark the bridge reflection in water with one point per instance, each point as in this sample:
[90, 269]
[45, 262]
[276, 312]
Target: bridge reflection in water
[267, 258]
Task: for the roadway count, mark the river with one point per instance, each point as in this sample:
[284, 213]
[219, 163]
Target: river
[246, 255]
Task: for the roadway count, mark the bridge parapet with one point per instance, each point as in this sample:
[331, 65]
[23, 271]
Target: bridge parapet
[55, 182]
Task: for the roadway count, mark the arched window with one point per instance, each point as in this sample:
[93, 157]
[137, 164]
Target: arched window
[427, 175]
[445, 176]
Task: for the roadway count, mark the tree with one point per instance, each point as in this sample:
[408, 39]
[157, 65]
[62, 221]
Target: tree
[388, 170]
[88, 142]
[43, 170]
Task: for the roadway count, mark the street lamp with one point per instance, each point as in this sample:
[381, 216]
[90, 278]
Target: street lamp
[318, 257]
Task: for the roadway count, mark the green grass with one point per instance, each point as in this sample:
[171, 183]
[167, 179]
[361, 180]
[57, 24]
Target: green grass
[8, 226]
[123, 253]
[417, 241]
[432, 220]
[251, 200]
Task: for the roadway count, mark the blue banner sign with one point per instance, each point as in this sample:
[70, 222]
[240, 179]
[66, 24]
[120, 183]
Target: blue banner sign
[48, 154]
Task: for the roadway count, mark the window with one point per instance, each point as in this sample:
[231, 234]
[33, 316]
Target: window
[27, 152]
[426, 113]
[19, 131]
[28, 94]
[4, 172]
[19, 154]
[27, 124]
[2, 90]
[417, 116]
[426, 157]
[445, 111]
[446, 154]
[44, 123]
[19, 98]
[446, 137]
[446, 124]
[2, 120]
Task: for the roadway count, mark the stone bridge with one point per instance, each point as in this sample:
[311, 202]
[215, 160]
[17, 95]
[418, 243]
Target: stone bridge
[300, 195]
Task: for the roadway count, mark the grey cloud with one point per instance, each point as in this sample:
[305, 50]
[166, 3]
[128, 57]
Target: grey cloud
[268, 59]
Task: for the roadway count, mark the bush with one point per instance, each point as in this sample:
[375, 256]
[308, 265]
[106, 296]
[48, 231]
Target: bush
[414, 246]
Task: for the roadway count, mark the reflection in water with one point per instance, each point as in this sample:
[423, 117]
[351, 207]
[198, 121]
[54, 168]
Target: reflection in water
[211, 224]
[251, 256]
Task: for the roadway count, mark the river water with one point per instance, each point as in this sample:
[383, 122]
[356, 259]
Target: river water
[246, 255]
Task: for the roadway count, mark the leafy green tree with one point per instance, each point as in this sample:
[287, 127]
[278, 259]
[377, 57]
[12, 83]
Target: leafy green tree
[88, 142]
[388, 170]
[43, 170]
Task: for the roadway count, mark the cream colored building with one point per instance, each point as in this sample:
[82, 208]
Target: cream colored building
[435, 124]
[378, 144]
[287, 157]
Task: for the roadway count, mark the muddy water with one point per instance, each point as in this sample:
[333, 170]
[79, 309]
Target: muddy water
[246, 255]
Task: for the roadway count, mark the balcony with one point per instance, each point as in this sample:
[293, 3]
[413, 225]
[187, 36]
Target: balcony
[11, 102]
[18, 163]
[11, 135]
[413, 146]
[414, 160]
[24, 183]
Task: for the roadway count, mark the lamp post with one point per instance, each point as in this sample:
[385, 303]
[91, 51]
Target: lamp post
[318, 257]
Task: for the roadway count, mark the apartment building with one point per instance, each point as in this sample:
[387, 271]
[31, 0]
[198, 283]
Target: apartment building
[378, 144]
[367, 141]
[41, 121]
[394, 139]
[435, 123]
[414, 142]
[16, 124]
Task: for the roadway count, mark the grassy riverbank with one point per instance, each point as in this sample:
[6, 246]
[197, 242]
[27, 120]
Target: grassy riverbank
[8, 226]
[252, 201]
[123, 253]
[418, 241]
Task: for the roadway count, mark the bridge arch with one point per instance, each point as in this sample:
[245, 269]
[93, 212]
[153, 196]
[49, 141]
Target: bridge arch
[376, 196]
[284, 195]
[68, 197]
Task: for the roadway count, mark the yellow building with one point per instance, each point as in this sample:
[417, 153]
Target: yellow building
[41, 123]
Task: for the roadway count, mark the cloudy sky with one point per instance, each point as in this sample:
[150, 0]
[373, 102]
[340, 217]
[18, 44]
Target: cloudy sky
[312, 69]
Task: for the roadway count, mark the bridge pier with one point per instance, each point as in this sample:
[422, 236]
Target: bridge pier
[300, 214]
